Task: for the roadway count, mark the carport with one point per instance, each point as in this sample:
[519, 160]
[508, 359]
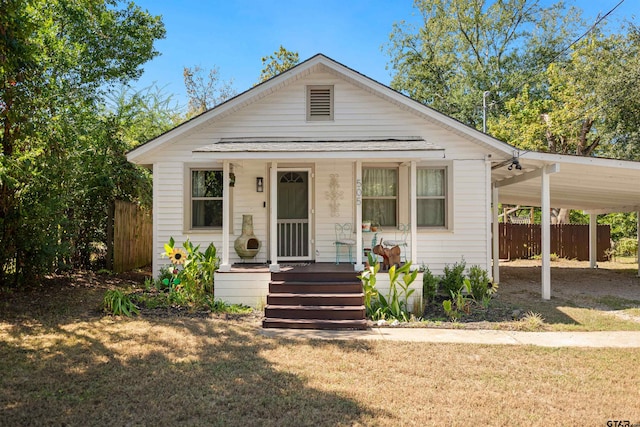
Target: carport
[593, 185]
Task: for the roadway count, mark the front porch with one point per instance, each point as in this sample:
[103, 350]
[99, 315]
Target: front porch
[249, 283]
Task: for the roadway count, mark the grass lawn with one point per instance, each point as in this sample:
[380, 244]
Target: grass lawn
[63, 363]
[185, 371]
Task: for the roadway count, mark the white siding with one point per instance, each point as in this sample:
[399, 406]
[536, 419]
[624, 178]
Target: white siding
[325, 223]
[243, 288]
[359, 114]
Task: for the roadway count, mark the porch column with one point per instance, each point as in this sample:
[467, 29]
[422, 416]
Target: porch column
[496, 234]
[226, 221]
[593, 240]
[638, 254]
[273, 217]
[359, 266]
[413, 215]
[546, 235]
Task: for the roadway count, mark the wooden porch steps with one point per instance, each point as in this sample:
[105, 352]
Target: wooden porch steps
[313, 300]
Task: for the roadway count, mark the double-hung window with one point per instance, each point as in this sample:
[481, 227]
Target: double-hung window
[432, 197]
[206, 198]
[380, 195]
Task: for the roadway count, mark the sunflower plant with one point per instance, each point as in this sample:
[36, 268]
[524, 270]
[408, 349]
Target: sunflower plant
[195, 279]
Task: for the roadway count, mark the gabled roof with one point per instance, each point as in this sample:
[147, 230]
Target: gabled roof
[320, 61]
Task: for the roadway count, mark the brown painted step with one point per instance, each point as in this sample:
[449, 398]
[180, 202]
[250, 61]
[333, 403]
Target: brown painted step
[316, 276]
[314, 324]
[329, 312]
[315, 299]
[340, 287]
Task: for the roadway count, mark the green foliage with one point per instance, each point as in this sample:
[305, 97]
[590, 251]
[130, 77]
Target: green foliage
[453, 278]
[62, 161]
[279, 62]
[622, 225]
[626, 247]
[368, 278]
[466, 47]
[192, 285]
[478, 282]
[219, 306]
[430, 284]
[205, 92]
[466, 292]
[118, 303]
[395, 305]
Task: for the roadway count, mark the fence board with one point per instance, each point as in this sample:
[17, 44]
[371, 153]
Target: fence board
[132, 237]
[569, 241]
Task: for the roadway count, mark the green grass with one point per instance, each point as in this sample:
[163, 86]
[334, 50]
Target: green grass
[210, 372]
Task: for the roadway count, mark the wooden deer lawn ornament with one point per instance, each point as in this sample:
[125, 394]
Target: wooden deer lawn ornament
[390, 256]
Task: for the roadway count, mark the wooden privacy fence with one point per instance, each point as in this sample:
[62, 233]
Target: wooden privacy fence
[132, 237]
[567, 241]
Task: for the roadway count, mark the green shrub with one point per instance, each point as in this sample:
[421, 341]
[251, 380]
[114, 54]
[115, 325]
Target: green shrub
[626, 247]
[118, 303]
[430, 284]
[453, 278]
[479, 281]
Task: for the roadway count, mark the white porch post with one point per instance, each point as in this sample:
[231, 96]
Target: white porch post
[496, 234]
[638, 254]
[593, 240]
[226, 221]
[273, 217]
[359, 266]
[413, 214]
[546, 236]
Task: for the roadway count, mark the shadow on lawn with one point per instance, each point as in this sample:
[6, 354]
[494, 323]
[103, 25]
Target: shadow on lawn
[155, 372]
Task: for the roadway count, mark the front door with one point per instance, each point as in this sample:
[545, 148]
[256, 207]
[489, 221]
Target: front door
[294, 241]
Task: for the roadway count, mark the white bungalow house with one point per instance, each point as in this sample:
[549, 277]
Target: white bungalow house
[322, 144]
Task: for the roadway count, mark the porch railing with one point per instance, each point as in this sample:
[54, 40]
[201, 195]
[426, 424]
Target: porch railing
[293, 238]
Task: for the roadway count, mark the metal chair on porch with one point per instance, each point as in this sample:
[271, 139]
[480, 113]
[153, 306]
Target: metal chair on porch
[400, 239]
[344, 238]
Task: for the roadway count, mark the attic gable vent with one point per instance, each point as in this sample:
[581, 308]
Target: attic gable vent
[319, 103]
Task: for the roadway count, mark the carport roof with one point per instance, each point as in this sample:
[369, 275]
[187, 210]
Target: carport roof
[595, 185]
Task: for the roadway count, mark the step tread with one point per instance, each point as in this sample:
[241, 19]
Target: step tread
[275, 322]
[315, 307]
[319, 295]
[315, 283]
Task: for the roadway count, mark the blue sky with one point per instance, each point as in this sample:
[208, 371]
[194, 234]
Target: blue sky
[235, 34]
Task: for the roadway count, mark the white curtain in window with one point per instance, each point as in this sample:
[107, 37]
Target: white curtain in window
[431, 197]
[379, 182]
[380, 190]
[430, 182]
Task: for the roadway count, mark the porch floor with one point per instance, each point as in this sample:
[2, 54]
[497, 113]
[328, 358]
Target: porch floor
[295, 267]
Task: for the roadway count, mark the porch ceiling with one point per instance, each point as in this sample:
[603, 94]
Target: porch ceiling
[591, 184]
[362, 148]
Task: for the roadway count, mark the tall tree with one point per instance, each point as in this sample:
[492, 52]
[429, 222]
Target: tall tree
[467, 47]
[205, 91]
[281, 60]
[58, 59]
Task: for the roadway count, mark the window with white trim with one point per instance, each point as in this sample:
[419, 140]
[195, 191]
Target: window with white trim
[206, 198]
[431, 186]
[380, 195]
[319, 103]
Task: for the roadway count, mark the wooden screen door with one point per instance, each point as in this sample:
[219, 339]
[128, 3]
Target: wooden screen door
[294, 242]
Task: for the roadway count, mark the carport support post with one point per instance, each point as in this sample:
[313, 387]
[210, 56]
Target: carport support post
[496, 234]
[593, 240]
[546, 235]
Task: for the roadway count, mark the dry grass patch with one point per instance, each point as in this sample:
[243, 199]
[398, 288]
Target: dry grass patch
[214, 372]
